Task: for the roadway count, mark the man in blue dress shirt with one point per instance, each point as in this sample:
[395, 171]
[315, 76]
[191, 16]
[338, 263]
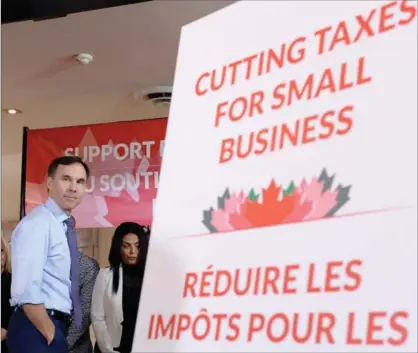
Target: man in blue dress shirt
[43, 291]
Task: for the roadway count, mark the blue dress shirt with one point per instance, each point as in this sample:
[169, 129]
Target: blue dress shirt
[41, 259]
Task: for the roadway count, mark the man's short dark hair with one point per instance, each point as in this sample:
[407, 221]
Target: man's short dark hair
[66, 160]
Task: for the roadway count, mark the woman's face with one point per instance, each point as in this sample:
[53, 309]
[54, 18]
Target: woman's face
[130, 249]
[3, 257]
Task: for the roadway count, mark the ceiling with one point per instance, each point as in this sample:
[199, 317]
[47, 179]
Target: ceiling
[25, 10]
[134, 46]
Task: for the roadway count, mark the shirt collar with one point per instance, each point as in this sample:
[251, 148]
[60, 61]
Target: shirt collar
[56, 210]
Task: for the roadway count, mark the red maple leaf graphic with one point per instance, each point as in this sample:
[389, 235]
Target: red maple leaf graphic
[271, 210]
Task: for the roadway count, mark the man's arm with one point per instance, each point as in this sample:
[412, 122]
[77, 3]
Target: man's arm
[37, 314]
[89, 269]
[30, 242]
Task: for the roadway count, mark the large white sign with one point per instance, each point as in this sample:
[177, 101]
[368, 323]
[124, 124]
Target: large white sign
[286, 218]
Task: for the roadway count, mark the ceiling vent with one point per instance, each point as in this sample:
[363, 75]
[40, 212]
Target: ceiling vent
[158, 95]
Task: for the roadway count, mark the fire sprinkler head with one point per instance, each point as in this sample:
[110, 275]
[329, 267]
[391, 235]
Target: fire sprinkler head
[84, 58]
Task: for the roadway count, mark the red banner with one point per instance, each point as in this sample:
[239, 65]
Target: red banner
[125, 162]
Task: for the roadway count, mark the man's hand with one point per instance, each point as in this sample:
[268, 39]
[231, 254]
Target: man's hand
[37, 314]
[3, 334]
[50, 334]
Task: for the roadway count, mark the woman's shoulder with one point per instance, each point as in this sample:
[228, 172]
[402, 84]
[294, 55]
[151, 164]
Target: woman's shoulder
[105, 272]
[105, 276]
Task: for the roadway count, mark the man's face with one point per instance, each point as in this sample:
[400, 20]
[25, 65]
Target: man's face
[68, 185]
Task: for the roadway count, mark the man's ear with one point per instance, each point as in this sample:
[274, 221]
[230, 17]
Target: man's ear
[49, 183]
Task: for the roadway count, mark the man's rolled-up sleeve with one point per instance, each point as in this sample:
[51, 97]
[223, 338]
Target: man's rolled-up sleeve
[29, 253]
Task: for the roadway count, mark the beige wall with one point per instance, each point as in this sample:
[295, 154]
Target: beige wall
[94, 242]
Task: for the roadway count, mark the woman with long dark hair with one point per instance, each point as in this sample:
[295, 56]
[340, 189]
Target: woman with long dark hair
[117, 289]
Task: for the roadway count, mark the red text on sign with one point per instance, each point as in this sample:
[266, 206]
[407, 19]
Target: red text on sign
[251, 66]
[338, 276]
[305, 130]
[379, 20]
[376, 323]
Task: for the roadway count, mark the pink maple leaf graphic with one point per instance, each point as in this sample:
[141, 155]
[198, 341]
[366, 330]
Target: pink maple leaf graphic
[300, 209]
[320, 202]
[233, 215]
[220, 220]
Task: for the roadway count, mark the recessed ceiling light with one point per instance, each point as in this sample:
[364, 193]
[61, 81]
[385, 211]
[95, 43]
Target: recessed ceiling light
[12, 111]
